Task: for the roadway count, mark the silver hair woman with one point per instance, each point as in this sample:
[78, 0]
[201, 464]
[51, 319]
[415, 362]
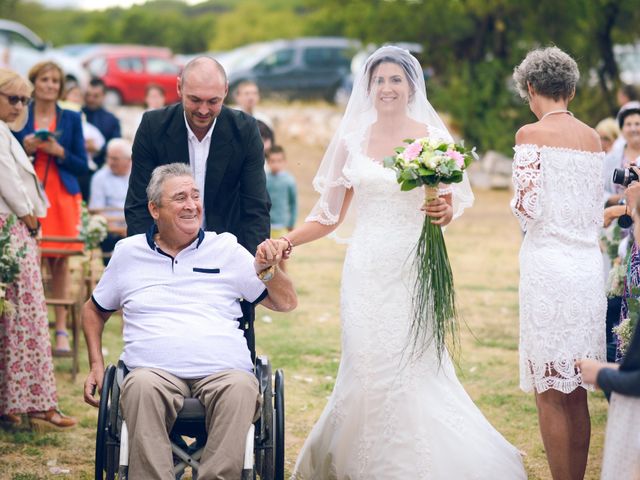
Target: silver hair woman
[390, 416]
[558, 200]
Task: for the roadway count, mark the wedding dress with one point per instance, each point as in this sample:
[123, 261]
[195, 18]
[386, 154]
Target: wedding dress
[391, 415]
[558, 200]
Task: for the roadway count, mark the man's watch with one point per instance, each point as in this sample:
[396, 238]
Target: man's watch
[267, 274]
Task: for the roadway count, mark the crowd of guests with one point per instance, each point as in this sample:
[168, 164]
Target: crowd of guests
[61, 147]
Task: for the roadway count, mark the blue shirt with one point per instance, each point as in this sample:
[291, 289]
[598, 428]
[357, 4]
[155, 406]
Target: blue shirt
[108, 190]
[284, 202]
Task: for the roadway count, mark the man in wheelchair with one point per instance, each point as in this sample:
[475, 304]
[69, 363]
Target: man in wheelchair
[179, 290]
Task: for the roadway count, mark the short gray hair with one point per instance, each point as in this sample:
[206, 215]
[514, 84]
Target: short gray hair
[121, 144]
[550, 71]
[160, 175]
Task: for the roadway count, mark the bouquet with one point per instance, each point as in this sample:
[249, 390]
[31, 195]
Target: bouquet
[624, 331]
[9, 262]
[427, 163]
[93, 229]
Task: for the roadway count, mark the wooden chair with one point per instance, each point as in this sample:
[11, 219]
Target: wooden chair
[74, 300]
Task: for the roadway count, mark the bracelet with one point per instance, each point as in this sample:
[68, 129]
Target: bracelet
[33, 232]
[287, 253]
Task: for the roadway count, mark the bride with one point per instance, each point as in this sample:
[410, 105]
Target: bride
[392, 415]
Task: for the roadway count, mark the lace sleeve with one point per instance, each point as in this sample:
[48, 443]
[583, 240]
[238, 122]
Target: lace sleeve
[332, 181]
[527, 182]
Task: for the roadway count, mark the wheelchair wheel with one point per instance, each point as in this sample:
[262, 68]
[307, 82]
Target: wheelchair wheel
[279, 425]
[102, 433]
[265, 432]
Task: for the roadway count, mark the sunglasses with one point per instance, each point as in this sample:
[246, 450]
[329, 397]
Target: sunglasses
[14, 99]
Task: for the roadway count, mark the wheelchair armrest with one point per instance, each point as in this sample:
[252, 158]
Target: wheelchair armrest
[263, 372]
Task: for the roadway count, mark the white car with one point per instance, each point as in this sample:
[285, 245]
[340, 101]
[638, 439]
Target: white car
[23, 49]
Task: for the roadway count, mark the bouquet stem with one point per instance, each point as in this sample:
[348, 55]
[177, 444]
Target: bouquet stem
[435, 316]
[3, 293]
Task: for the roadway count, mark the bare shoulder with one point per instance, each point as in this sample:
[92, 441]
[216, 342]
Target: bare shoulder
[528, 134]
[590, 138]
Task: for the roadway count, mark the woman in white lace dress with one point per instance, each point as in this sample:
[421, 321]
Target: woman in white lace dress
[557, 174]
[390, 416]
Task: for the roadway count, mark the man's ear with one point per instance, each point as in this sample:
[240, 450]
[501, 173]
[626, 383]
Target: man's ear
[179, 86]
[153, 210]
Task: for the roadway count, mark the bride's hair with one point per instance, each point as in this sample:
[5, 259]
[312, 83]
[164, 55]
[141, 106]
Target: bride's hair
[410, 73]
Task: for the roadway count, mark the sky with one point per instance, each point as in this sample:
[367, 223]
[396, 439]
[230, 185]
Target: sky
[95, 4]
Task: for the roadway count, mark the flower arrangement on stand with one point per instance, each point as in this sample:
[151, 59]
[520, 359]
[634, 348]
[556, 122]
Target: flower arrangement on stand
[92, 231]
[9, 262]
[428, 163]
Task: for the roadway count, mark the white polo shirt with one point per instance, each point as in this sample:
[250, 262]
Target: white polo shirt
[180, 313]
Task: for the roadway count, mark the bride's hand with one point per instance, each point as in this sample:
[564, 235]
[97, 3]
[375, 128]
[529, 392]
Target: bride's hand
[439, 210]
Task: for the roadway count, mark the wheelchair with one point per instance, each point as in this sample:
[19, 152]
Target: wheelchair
[264, 451]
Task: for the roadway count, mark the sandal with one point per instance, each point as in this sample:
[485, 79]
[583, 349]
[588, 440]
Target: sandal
[52, 420]
[61, 351]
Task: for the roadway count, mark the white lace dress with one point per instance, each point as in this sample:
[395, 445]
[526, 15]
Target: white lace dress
[558, 200]
[389, 418]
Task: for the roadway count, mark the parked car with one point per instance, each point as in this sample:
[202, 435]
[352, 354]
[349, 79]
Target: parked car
[24, 49]
[127, 70]
[311, 67]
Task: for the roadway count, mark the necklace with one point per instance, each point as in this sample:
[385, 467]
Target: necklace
[553, 112]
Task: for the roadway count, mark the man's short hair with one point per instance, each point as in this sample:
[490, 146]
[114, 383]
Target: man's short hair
[97, 82]
[160, 175]
[630, 91]
[275, 150]
[121, 144]
[198, 60]
[244, 83]
[265, 131]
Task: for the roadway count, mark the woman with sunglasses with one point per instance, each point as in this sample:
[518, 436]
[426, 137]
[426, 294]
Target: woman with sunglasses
[53, 136]
[27, 383]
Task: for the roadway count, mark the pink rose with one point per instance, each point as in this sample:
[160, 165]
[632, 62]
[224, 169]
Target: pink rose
[412, 151]
[457, 156]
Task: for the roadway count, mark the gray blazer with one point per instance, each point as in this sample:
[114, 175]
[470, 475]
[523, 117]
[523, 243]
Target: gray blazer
[20, 191]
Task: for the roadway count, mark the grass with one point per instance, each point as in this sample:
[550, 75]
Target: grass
[483, 247]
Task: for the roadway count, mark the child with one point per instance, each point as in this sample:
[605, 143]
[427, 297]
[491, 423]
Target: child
[282, 189]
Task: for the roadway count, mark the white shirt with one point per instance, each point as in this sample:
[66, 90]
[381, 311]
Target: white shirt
[180, 313]
[198, 154]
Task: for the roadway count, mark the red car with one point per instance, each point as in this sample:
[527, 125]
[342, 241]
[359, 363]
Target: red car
[128, 70]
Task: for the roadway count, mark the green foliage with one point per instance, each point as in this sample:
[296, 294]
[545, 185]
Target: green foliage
[471, 46]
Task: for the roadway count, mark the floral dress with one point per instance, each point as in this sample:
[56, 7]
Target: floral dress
[27, 382]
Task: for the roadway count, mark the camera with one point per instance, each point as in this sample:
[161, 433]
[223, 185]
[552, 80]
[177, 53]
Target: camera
[624, 176]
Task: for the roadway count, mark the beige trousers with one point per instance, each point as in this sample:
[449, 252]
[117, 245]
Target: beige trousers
[150, 401]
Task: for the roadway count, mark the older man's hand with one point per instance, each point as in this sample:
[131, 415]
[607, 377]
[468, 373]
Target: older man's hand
[93, 384]
[269, 253]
